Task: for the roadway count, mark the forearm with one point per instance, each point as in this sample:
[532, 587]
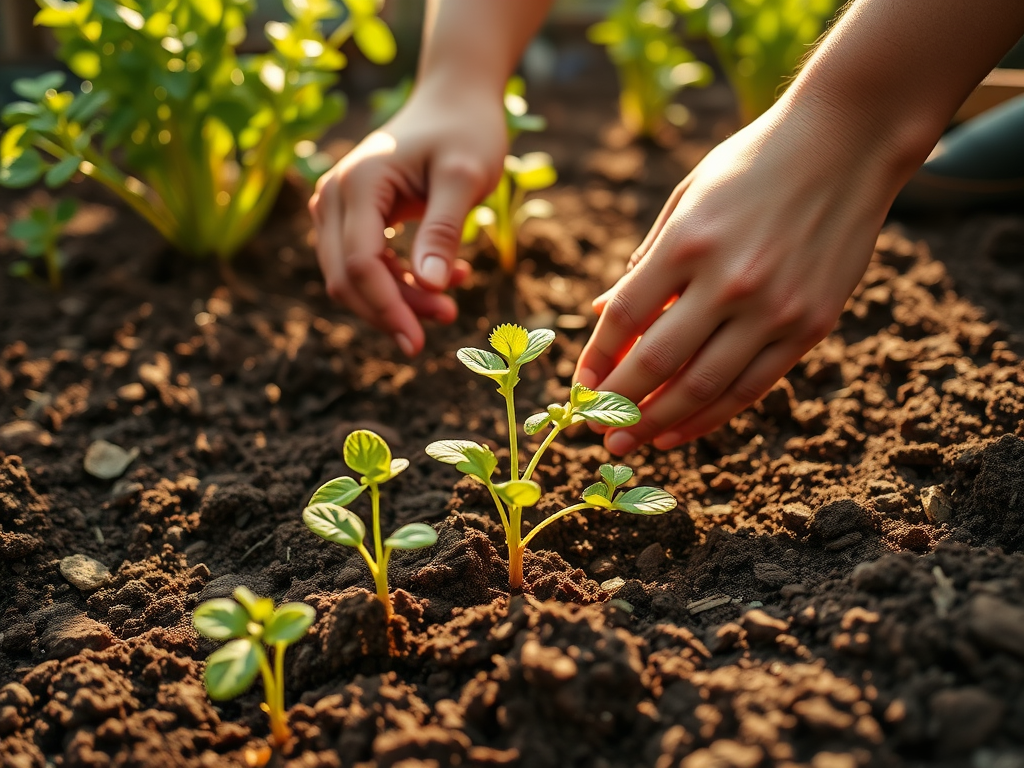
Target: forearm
[895, 71]
[477, 43]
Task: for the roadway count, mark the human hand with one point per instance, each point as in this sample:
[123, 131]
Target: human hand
[438, 157]
[747, 267]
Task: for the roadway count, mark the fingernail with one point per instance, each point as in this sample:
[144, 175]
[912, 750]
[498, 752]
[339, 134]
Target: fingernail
[405, 344]
[586, 378]
[668, 440]
[620, 443]
[435, 271]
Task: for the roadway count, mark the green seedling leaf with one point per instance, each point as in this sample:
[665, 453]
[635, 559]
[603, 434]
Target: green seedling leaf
[220, 619]
[341, 491]
[535, 172]
[66, 209]
[511, 342]
[468, 457]
[519, 493]
[289, 623]
[580, 395]
[536, 423]
[335, 524]
[412, 536]
[398, 466]
[366, 452]
[230, 670]
[61, 173]
[598, 495]
[610, 409]
[24, 170]
[35, 88]
[535, 209]
[645, 501]
[536, 342]
[375, 40]
[20, 112]
[615, 475]
[483, 362]
[260, 609]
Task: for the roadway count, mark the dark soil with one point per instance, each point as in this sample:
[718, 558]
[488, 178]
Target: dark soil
[804, 606]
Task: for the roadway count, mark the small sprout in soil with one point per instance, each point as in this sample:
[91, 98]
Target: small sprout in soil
[327, 516]
[39, 235]
[250, 623]
[515, 347]
[653, 65]
[503, 212]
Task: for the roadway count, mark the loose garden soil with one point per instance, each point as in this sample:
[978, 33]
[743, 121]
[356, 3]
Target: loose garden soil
[842, 585]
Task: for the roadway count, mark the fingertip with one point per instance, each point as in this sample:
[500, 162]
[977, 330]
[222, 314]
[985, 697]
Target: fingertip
[586, 377]
[620, 442]
[433, 272]
[406, 344]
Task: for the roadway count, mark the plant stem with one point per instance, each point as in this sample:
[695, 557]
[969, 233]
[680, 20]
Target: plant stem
[515, 550]
[275, 703]
[547, 521]
[513, 433]
[501, 508]
[380, 568]
[555, 429]
[52, 259]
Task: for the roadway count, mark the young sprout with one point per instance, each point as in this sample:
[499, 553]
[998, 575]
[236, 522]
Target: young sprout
[515, 347]
[653, 65]
[39, 234]
[327, 516]
[250, 623]
[503, 212]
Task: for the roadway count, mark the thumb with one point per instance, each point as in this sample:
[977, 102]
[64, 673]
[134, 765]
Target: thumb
[453, 191]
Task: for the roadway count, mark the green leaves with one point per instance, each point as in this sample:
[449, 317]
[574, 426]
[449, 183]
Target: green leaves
[335, 524]
[645, 501]
[468, 457]
[339, 491]
[34, 89]
[289, 623]
[615, 475]
[483, 362]
[518, 493]
[608, 408]
[220, 619]
[412, 536]
[532, 171]
[366, 452]
[231, 670]
[510, 341]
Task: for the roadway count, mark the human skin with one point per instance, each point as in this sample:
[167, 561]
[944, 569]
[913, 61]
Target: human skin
[751, 260]
[757, 250]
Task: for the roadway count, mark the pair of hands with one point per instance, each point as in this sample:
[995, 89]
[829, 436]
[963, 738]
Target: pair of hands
[746, 268]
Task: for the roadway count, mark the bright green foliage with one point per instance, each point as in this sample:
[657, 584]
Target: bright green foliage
[207, 134]
[514, 347]
[327, 516]
[503, 212]
[653, 65]
[251, 623]
[39, 234]
[759, 43]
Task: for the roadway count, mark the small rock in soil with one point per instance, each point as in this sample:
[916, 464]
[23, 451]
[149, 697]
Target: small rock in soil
[650, 561]
[107, 461]
[84, 572]
[937, 505]
[69, 634]
[772, 574]
[964, 718]
[997, 624]
[16, 436]
[762, 628]
[838, 518]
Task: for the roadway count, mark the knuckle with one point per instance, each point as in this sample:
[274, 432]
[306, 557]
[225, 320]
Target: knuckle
[444, 231]
[747, 390]
[702, 384]
[655, 358]
[817, 325]
[620, 312]
[359, 270]
[467, 170]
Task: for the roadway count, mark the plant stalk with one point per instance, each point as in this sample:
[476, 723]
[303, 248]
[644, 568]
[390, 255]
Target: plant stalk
[555, 429]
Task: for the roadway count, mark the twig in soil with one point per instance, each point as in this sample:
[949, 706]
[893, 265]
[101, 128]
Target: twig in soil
[707, 603]
[256, 546]
[98, 533]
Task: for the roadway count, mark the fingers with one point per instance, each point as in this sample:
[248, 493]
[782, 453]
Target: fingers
[427, 304]
[456, 185]
[722, 380]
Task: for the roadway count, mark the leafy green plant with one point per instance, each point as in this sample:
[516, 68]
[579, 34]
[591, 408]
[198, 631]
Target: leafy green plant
[503, 212]
[759, 43]
[206, 133]
[39, 234]
[653, 65]
[515, 347]
[327, 516]
[249, 623]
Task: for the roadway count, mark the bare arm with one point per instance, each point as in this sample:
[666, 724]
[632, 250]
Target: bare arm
[439, 156]
[759, 247]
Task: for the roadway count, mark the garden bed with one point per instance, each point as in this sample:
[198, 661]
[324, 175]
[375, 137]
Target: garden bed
[803, 606]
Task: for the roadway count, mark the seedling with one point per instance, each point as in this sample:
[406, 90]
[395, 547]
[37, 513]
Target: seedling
[652, 64]
[515, 347]
[328, 517]
[503, 212]
[250, 623]
[207, 135]
[759, 43]
[39, 234]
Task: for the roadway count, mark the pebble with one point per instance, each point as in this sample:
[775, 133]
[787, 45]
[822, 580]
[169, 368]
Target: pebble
[761, 627]
[613, 585]
[937, 505]
[107, 461]
[964, 718]
[84, 572]
[997, 624]
[772, 574]
[22, 433]
[650, 561]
